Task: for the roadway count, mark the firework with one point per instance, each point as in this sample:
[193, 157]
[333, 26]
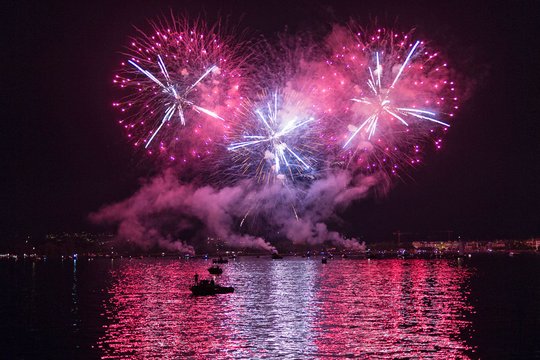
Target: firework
[360, 100]
[274, 142]
[286, 137]
[381, 101]
[179, 80]
[399, 95]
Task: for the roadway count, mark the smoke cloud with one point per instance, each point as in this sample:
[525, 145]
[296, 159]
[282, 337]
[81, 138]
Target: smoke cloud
[165, 206]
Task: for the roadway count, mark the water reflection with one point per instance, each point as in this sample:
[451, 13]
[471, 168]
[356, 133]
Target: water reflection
[274, 307]
[294, 308]
[393, 309]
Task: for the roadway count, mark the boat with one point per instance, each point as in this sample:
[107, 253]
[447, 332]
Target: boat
[208, 287]
[220, 260]
[276, 256]
[323, 260]
[215, 270]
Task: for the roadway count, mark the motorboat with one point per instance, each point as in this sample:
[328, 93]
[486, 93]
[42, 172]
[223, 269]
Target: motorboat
[276, 256]
[215, 270]
[208, 287]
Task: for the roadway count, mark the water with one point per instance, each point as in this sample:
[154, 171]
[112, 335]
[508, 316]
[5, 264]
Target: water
[294, 308]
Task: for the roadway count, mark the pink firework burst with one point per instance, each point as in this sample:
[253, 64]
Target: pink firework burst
[182, 82]
[395, 95]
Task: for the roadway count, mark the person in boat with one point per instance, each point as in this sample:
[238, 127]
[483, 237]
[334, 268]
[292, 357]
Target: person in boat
[196, 279]
[212, 282]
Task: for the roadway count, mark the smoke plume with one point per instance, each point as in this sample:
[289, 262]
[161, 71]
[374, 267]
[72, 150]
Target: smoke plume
[164, 206]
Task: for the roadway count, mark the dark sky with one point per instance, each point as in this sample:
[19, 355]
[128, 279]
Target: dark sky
[64, 156]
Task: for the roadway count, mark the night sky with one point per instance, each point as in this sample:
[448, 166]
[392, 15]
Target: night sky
[64, 155]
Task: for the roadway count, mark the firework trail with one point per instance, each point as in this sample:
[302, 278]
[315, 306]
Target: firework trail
[179, 79]
[276, 147]
[275, 142]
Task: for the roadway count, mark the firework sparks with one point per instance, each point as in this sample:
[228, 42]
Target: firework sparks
[393, 94]
[288, 163]
[176, 77]
[382, 103]
[179, 96]
[273, 143]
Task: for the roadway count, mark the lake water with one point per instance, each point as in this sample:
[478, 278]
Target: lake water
[483, 307]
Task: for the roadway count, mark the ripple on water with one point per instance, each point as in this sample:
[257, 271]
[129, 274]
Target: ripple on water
[292, 308]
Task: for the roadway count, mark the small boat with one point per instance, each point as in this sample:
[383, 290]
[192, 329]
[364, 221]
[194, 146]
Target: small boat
[276, 256]
[208, 287]
[215, 270]
[323, 260]
[220, 260]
